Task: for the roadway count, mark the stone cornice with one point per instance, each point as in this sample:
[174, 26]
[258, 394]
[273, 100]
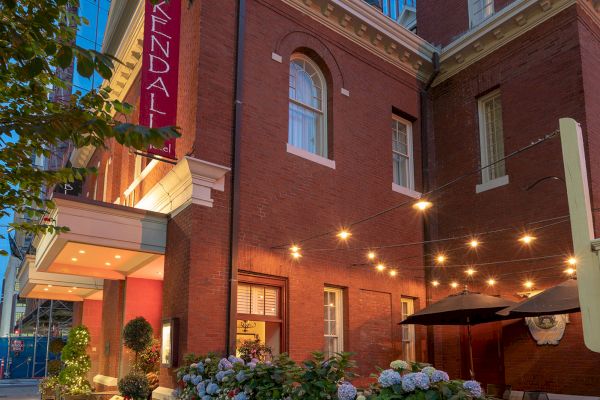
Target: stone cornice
[508, 24]
[370, 29]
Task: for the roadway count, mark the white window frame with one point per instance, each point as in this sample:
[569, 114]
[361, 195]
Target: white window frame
[323, 111]
[105, 183]
[410, 189]
[487, 180]
[476, 18]
[339, 317]
[410, 329]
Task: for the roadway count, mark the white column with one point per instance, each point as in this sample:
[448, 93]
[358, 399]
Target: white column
[8, 295]
[582, 230]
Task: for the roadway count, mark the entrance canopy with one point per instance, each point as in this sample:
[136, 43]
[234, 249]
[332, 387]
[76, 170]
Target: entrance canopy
[104, 241]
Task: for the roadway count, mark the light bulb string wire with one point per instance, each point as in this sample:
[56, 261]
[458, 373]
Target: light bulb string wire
[432, 191]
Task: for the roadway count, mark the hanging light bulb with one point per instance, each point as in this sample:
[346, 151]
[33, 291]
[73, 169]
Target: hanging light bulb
[296, 255]
[470, 271]
[570, 271]
[528, 284]
[572, 261]
[371, 255]
[294, 248]
[491, 282]
[454, 285]
[393, 272]
[422, 205]
[527, 239]
[344, 234]
[440, 258]
[473, 243]
[435, 283]
[380, 267]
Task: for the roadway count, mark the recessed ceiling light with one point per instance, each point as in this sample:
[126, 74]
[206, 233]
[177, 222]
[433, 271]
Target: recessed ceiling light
[118, 256]
[49, 285]
[73, 259]
[70, 291]
[81, 251]
[74, 287]
[107, 263]
[45, 289]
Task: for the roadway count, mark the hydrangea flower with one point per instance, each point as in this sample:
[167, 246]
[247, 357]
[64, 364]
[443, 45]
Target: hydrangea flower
[241, 396]
[186, 378]
[221, 375]
[400, 364]
[474, 388]
[196, 379]
[428, 371]
[201, 388]
[206, 397]
[389, 377]
[409, 383]
[241, 376]
[439, 376]
[200, 367]
[421, 380]
[346, 391]
[235, 360]
[212, 388]
[225, 364]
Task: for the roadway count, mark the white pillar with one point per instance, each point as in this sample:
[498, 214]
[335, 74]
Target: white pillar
[582, 230]
[8, 296]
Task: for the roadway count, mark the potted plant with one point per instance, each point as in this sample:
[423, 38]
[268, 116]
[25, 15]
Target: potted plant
[49, 387]
[137, 336]
[134, 386]
[77, 363]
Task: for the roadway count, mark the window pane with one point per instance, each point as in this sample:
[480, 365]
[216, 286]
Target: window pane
[492, 138]
[401, 153]
[408, 331]
[257, 300]
[332, 304]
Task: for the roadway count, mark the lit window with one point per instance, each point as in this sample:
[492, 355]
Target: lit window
[257, 300]
[402, 152]
[334, 321]
[491, 137]
[308, 103]
[479, 11]
[408, 331]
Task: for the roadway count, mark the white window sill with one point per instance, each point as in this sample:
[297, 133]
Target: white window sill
[406, 191]
[310, 156]
[489, 185]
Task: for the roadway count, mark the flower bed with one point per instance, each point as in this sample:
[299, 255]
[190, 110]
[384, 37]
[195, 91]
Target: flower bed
[211, 377]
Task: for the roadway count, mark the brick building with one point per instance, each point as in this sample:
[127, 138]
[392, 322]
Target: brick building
[300, 119]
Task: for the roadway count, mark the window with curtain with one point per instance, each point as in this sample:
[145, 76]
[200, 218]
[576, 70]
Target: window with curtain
[408, 331]
[307, 128]
[334, 321]
[402, 152]
[491, 137]
[479, 11]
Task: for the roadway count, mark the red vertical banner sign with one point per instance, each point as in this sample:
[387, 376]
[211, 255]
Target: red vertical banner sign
[160, 68]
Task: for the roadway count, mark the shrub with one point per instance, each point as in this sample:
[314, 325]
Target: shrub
[254, 349]
[149, 358]
[137, 334]
[134, 386]
[54, 367]
[56, 345]
[77, 362]
[48, 386]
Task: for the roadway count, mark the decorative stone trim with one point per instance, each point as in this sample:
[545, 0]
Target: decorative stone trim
[494, 183]
[108, 381]
[310, 156]
[191, 181]
[405, 191]
[371, 29]
[511, 22]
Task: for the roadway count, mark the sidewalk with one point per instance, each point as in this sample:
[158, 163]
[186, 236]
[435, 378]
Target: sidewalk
[21, 389]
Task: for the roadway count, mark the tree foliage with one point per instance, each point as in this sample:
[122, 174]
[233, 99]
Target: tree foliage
[137, 334]
[77, 362]
[37, 44]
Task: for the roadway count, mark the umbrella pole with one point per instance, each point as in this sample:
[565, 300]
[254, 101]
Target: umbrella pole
[471, 369]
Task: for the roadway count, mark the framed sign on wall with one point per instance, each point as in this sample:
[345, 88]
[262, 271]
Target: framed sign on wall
[168, 345]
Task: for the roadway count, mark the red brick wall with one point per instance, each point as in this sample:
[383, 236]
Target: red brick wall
[91, 317]
[540, 78]
[112, 325]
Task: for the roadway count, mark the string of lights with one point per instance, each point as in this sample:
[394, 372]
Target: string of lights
[422, 204]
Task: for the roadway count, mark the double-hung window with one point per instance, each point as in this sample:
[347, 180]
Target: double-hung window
[491, 137]
[333, 305]
[408, 331]
[307, 128]
[479, 11]
[402, 153]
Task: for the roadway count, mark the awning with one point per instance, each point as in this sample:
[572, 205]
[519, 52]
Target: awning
[104, 241]
[46, 285]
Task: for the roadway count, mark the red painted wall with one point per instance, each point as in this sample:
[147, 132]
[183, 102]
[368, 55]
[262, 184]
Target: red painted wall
[91, 317]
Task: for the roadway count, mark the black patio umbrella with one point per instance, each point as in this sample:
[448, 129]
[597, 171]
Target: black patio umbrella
[559, 299]
[464, 308]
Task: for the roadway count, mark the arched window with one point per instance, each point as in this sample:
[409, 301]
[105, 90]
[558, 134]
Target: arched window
[308, 106]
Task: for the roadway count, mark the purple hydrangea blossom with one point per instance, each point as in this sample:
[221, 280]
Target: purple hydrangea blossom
[225, 364]
[409, 383]
[241, 376]
[241, 396]
[235, 360]
[428, 371]
[421, 380]
[186, 378]
[201, 388]
[439, 376]
[389, 377]
[474, 388]
[346, 391]
[212, 388]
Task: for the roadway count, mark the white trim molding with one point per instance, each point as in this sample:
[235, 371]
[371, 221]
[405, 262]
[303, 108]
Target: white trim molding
[164, 393]
[297, 151]
[494, 183]
[406, 191]
[504, 26]
[191, 181]
[370, 29]
[108, 381]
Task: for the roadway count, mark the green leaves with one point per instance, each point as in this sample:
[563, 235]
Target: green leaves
[64, 57]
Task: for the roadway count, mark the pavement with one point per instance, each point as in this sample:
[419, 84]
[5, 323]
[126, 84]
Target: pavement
[19, 389]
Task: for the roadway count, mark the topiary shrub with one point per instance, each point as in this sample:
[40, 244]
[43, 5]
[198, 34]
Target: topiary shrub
[77, 362]
[137, 335]
[54, 367]
[134, 386]
[56, 346]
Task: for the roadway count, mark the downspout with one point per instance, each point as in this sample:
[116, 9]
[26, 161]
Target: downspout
[234, 223]
[428, 221]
